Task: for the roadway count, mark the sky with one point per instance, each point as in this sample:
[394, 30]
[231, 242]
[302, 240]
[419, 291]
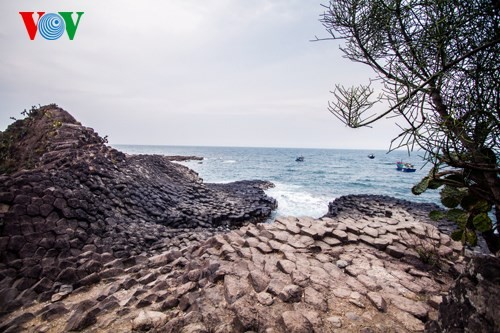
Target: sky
[187, 72]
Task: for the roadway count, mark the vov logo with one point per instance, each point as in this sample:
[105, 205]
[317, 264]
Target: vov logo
[51, 26]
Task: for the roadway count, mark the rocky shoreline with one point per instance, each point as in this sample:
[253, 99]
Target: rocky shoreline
[94, 240]
[69, 194]
[292, 275]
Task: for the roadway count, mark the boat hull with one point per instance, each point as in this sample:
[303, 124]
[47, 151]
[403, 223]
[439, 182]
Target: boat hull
[405, 167]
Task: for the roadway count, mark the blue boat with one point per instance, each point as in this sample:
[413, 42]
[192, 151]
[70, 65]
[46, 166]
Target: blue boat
[405, 167]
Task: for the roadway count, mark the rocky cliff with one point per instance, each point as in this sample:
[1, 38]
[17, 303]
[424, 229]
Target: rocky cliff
[69, 203]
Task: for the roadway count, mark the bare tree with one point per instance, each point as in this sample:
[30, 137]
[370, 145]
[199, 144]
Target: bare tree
[437, 64]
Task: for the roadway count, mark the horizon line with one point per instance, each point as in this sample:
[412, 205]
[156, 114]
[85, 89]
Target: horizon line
[260, 147]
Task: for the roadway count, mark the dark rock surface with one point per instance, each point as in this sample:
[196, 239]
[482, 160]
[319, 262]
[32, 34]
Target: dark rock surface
[179, 158]
[357, 206]
[71, 205]
[381, 206]
[473, 303]
[271, 277]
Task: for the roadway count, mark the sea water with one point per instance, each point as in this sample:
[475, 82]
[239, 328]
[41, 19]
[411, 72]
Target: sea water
[305, 188]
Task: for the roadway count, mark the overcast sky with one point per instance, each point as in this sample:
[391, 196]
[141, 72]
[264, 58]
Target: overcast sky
[186, 72]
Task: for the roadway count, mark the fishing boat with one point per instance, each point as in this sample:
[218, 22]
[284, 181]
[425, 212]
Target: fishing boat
[405, 167]
[371, 156]
[299, 159]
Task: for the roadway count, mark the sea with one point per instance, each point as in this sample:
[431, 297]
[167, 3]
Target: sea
[304, 188]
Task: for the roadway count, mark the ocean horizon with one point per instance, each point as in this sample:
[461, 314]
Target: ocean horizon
[304, 188]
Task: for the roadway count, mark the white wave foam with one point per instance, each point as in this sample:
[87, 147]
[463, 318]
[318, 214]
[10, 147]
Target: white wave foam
[294, 200]
[229, 161]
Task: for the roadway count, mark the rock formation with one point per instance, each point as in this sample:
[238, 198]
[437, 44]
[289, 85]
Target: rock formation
[344, 274]
[65, 193]
[94, 240]
[472, 304]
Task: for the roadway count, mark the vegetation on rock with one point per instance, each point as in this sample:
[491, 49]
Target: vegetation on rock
[26, 140]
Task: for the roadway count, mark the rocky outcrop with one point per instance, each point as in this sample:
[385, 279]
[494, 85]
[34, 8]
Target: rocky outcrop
[71, 206]
[382, 205]
[357, 206]
[473, 303]
[94, 240]
[179, 158]
[339, 274]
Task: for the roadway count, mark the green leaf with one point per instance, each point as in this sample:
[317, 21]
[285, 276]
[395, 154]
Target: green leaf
[458, 216]
[457, 235]
[471, 238]
[434, 184]
[452, 196]
[437, 215]
[483, 206]
[420, 187]
[472, 202]
[482, 222]
[449, 202]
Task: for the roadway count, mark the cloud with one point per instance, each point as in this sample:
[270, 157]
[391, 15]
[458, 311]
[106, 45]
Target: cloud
[213, 72]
